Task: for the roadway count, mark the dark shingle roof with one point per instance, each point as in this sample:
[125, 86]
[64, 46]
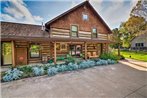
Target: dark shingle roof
[9, 29]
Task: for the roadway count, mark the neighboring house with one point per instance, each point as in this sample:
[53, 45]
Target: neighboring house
[139, 42]
[79, 30]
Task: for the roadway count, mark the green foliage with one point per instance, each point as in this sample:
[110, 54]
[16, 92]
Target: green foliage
[62, 68]
[38, 71]
[12, 74]
[27, 71]
[111, 56]
[52, 71]
[70, 59]
[61, 58]
[72, 66]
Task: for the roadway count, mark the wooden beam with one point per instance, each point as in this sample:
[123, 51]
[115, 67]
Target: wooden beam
[85, 44]
[13, 54]
[55, 52]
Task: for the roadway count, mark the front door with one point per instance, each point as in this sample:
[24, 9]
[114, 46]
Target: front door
[6, 53]
[75, 50]
[21, 56]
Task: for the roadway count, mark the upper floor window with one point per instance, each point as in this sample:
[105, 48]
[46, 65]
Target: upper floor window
[94, 33]
[74, 31]
[34, 51]
[85, 16]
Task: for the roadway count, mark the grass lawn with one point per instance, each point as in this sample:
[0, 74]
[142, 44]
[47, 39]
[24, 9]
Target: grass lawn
[139, 55]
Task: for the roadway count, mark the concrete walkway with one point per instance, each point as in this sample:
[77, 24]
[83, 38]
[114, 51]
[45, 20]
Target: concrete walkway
[113, 81]
[140, 65]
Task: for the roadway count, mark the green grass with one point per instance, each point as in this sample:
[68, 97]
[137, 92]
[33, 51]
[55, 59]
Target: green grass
[138, 55]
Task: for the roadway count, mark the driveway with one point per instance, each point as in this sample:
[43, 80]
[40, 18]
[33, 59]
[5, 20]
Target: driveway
[112, 81]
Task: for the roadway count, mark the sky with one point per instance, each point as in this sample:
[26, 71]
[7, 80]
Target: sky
[113, 12]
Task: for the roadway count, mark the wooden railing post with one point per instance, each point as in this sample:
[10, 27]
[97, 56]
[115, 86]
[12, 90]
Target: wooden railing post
[13, 54]
[85, 44]
[55, 52]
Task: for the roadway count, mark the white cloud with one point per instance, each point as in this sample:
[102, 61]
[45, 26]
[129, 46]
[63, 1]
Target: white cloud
[17, 11]
[38, 18]
[7, 17]
[116, 12]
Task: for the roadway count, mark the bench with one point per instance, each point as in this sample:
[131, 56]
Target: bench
[92, 55]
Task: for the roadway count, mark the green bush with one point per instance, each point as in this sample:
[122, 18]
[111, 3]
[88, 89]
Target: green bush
[70, 59]
[111, 56]
[60, 58]
[27, 71]
[38, 71]
[12, 74]
[52, 71]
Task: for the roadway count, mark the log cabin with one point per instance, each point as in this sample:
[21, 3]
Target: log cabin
[80, 30]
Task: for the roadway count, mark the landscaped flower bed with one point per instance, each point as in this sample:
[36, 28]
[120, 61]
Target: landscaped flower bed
[50, 70]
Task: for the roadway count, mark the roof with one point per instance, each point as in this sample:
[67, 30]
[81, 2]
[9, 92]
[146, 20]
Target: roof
[17, 31]
[76, 7]
[9, 29]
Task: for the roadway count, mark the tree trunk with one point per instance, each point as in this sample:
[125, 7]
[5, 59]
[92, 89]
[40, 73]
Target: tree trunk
[118, 49]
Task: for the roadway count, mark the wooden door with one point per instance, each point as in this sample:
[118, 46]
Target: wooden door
[21, 56]
[6, 51]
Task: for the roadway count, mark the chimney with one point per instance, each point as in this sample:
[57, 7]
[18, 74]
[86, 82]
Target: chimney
[42, 27]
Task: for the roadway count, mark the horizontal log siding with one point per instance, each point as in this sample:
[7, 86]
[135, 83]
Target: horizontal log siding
[21, 44]
[56, 32]
[60, 33]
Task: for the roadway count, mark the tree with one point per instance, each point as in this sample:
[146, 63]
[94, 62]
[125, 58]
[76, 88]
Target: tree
[116, 37]
[140, 9]
[133, 27]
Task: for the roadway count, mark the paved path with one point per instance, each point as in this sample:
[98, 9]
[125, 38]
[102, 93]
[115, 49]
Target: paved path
[113, 81]
[140, 65]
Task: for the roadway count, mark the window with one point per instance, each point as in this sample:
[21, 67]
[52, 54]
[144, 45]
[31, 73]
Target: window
[63, 47]
[136, 44]
[34, 51]
[85, 16]
[94, 33]
[74, 31]
[139, 44]
[142, 45]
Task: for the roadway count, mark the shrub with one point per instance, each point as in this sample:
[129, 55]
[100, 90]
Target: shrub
[70, 59]
[111, 56]
[102, 62]
[52, 71]
[91, 63]
[38, 71]
[72, 66]
[111, 61]
[62, 68]
[12, 74]
[83, 65]
[27, 70]
[60, 58]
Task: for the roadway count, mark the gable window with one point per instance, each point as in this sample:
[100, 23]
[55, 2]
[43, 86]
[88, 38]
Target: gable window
[34, 51]
[74, 31]
[85, 16]
[94, 33]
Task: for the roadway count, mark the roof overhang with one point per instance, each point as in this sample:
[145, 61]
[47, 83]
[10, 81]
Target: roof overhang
[40, 39]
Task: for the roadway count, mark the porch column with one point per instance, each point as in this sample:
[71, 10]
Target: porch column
[101, 48]
[55, 52]
[85, 50]
[13, 54]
